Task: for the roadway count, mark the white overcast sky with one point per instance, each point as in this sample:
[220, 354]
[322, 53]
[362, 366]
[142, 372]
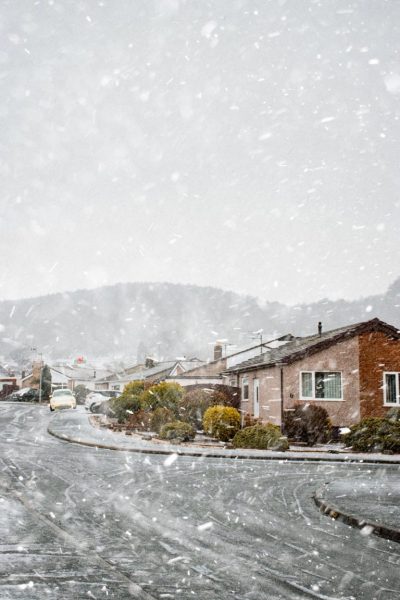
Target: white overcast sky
[251, 145]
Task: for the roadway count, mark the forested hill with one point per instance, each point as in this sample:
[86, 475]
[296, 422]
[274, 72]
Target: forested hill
[167, 320]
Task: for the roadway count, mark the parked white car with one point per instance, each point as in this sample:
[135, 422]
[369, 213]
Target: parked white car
[95, 399]
[62, 399]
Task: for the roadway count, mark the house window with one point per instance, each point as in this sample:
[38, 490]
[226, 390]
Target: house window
[245, 388]
[321, 385]
[391, 388]
[306, 385]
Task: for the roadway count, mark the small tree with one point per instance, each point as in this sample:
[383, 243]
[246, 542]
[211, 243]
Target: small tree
[221, 422]
[45, 382]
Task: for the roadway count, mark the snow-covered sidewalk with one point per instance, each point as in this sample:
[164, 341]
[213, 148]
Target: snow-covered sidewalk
[75, 426]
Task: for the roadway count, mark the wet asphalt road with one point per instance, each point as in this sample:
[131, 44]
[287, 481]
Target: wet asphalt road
[77, 522]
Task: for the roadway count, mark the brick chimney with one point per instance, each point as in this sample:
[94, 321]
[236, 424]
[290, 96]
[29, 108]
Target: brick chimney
[217, 351]
[37, 366]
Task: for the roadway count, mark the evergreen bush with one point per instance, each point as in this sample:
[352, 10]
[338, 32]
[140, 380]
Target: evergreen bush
[262, 437]
[221, 422]
[122, 408]
[374, 435]
[177, 431]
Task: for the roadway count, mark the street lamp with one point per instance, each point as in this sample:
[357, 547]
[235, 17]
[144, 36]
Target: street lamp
[40, 377]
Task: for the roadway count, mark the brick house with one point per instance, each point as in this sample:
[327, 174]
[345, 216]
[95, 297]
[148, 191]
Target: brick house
[353, 372]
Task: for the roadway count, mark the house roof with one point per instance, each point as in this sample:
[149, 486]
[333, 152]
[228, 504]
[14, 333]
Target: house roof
[80, 373]
[140, 371]
[300, 347]
[162, 368]
[122, 375]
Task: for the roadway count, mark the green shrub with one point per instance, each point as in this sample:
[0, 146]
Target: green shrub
[161, 416]
[374, 435]
[178, 431]
[221, 422]
[163, 395]
[262, 437]
[121, 408]
[127, 403]
[133, 388]
[307, 423]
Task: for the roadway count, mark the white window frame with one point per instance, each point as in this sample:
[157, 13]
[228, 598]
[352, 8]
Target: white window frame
[313, 396]
[245, 381]
[397, 402]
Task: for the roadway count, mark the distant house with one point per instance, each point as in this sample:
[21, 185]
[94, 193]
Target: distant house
[8, 382]
[211, 372]
[151, 372]
[352, 371]
[70, 376]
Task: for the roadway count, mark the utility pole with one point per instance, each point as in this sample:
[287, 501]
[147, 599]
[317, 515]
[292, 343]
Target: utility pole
[40, 377]
[258, 335]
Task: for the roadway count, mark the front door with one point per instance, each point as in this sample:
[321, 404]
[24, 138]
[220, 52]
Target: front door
[256, 398]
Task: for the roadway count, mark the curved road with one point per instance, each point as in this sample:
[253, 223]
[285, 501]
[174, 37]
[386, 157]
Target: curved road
[77, 522]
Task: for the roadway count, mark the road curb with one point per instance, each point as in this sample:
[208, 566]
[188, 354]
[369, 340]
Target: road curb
[185, 451]
[369, 527]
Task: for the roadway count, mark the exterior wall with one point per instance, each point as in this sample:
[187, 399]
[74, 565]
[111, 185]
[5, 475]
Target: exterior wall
[212, 368]
[378, 353]
[269, 395]
[103, 386]
[343, 357]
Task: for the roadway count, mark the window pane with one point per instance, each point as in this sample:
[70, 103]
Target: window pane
[245, 392]
[390, 382]
[328, 385]
[306, 385]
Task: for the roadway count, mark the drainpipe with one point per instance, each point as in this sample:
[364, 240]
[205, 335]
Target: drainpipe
[282, 397]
